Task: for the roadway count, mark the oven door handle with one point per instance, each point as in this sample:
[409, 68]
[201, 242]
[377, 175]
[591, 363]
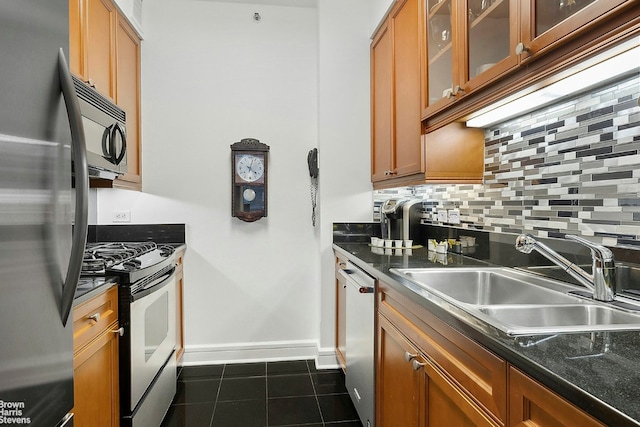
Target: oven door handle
[155, 285]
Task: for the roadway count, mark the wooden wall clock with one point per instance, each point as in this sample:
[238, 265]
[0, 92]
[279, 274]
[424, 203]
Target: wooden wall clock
[249, 165]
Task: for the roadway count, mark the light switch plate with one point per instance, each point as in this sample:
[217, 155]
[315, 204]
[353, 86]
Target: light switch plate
[442, 216]
[454, 216]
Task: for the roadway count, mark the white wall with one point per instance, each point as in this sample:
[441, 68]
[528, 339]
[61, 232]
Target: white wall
[379, 9]
[211, 76]
[344, 129]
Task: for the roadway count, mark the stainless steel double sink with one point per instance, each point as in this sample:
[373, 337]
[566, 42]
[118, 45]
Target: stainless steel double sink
[520, 303]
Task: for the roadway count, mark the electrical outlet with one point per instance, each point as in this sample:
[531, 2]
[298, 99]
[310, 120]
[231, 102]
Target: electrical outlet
[454, 216]
[121, 216]
[442, 216]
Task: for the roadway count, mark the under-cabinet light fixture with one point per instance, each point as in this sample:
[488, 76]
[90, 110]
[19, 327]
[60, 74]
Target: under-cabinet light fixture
[594, 72]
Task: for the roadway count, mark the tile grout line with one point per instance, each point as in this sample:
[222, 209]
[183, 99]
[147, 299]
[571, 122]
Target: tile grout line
[315, 394]
[215, 404]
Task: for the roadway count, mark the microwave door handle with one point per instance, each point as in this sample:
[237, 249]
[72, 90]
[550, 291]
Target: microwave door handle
[106, 143]
[117, 128]
[81, 170]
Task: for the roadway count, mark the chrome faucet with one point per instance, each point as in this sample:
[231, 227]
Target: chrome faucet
[602, 282]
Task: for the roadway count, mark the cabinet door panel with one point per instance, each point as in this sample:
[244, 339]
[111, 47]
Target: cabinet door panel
[533, 405]
[382, 104]
[101, 15]
[398, 384]
[406, 58]
[546, 23]
[341, 314]
[96, 382]
[128, 93]
[446, 405]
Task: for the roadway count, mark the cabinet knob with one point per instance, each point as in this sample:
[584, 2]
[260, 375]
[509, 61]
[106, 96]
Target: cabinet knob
[95, 317]
[119, 331]
[458, 90]
[91, 83]
[409, 356]
[521, 48]
[417, 365]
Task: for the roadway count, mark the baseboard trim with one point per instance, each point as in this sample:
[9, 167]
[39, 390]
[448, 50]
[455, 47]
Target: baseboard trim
[267, 351]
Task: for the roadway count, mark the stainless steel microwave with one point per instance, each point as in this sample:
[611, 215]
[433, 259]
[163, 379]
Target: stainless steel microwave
[105, 132]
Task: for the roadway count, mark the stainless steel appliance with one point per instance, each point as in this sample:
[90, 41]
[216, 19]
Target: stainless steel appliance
[146, 309]
[105, 129]
[360, 330]
[40, 255]
[400, 218]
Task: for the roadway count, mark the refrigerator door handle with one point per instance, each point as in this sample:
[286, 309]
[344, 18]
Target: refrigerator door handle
[81, 184]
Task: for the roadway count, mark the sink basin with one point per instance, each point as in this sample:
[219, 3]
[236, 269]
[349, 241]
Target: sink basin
[487, 286]
[519, 303]
[560, 318]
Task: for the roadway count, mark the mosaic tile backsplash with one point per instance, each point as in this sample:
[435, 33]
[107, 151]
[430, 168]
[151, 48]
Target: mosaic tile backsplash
[570, 168]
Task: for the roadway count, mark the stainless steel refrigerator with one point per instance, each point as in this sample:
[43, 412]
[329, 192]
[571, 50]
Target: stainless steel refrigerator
[43, 213]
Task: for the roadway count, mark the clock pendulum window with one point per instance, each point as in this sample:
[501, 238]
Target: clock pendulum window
[249, 162]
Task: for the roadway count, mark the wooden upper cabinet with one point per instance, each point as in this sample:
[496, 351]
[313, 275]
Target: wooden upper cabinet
[546, 24]
[454, 153]
[396, 54]
[472, 43]
[406, 24]
[104, 51]
[381, 104]
[100, 46]
[128, 95]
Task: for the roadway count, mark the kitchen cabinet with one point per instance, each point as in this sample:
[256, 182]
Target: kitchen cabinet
[179, 305]
[429, 374]
[95, 362]
[395, 91]
[472, 43]
[341, 312]
[533, 405]
[128, 98]
[93, 42]
[398, 383]
[461, 381]
[454, 153]
[104, 51]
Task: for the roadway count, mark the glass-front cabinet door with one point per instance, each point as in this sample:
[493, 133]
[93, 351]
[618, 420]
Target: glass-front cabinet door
[491, 37]
[545, 22]
[441, 50]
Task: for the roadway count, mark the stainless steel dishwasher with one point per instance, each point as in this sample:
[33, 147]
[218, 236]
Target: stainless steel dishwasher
[360, 331]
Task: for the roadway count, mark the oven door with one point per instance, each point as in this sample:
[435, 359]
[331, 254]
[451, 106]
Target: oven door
[152, 334]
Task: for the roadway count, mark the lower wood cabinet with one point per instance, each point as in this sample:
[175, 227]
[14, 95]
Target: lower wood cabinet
[398, 385]
[533, 405]
[413, 391]
[341, 313]
[428, 374]
[179, 305]
[95, 361]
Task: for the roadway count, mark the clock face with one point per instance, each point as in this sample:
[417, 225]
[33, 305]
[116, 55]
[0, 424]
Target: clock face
[249, 167]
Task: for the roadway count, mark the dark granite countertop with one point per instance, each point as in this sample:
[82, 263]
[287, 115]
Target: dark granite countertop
[88, 287]
[576, 366]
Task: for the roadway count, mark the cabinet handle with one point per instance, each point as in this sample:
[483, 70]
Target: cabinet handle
[409, 356]
[417, 365]
[521, 48]
[119, 331]
[342, 265]
[95, 317]
[91, 83]
[458, 91]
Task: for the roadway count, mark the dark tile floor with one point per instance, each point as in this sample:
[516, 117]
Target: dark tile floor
[261, 394]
